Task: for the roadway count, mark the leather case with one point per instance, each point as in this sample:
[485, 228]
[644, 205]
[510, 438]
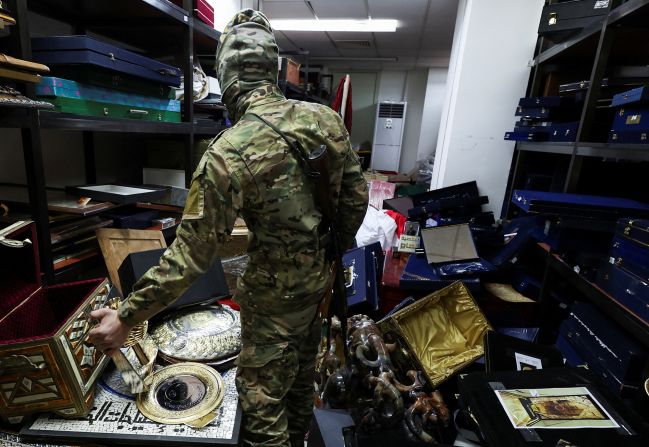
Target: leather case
[46, 363]
[105, 78]
[526, 135]
[630, 119]
[560, 20]
[466, 190]
[617, 358]
[633, 96]
[361, 267]
[419, 275]
[628, 137]
[517, 233]
[442, 333]
[593, 207]
[547, 101]
[478, 396]
[636, 230]
[630, 291]
[505, 353]
[630, 256]
[66, 50]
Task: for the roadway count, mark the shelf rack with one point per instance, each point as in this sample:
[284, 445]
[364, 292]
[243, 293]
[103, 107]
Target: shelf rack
[160, 27]
[592, 51]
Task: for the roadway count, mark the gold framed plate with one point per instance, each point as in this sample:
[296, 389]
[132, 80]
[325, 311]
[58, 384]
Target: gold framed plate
[184, 393]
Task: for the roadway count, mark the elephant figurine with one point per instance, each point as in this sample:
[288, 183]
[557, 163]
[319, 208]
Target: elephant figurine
[427, 411]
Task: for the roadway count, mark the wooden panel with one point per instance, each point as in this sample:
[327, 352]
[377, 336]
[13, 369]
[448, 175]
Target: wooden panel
[116, 245]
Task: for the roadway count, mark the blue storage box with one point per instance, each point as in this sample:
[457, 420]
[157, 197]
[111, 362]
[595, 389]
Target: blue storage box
[526, 136]
[419, 275]
[361, 266]
[636, 230]
[630, 256]
[85, 50]
[628, 137]
[629, 290]
[547, 101]
[577, 204]
[633, 96]
[51, 86]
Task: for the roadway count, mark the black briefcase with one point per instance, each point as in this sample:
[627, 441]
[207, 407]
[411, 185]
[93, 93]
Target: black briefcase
[560, 20]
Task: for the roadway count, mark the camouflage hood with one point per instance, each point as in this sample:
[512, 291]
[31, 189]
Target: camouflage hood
[246, 58]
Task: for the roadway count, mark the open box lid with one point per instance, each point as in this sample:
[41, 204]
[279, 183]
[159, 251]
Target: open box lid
[449, 243]
[442, 333]
[20, 272]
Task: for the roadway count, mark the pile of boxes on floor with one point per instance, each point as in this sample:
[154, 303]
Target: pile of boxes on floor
[444, 236]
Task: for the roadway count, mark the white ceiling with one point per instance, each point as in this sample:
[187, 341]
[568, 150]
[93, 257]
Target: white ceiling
[423, 39]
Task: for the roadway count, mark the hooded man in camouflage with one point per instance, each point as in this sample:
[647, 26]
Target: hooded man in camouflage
[250, 171]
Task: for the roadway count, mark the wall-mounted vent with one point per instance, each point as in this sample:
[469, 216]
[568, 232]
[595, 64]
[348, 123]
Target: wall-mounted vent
[353, 44]
[389, 110]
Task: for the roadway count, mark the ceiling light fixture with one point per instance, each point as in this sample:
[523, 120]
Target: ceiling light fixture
[369, 25]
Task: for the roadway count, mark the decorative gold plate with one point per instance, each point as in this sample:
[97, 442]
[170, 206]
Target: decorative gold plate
[205, 334]
[185, 393]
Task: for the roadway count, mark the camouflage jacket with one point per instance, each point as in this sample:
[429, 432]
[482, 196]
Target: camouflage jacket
[250, 171]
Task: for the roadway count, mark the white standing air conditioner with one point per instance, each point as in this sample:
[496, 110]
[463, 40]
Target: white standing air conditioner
[388, 135]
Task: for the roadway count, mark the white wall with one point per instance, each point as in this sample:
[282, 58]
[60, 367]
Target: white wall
[432, 114]
[488, 73]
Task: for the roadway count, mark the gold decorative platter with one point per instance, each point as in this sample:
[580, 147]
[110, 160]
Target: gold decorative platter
[205, 334]
[184, 393]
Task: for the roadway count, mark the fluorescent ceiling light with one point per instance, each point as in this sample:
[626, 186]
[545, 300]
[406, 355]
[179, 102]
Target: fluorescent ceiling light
[369, 25]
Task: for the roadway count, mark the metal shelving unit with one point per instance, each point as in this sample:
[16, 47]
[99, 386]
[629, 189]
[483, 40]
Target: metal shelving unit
[158, 26]
[593, 52]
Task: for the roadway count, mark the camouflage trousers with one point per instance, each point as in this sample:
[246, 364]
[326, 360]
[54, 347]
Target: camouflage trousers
[275, 376]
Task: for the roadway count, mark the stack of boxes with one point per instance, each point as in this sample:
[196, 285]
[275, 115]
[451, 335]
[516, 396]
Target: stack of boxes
[95, 78]
[628, 126]
[547, 118]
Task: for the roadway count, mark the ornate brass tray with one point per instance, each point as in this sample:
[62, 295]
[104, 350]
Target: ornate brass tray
[185, 393]
[205, 334]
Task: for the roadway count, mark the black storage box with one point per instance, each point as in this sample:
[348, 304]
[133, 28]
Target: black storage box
[560, 20]
[206, 288]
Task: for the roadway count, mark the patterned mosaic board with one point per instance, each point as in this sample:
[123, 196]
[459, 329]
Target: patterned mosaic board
[115, 417]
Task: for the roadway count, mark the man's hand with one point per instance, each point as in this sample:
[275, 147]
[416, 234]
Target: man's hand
[111, 332]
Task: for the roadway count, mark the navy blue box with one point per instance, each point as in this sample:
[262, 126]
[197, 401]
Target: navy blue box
[419, 275]
[628, 290]
[628, 137]
[628, 119]
[569, 353]
[637, 230]
[577, 204]
[66, 50]
[547, 101]
[362, 266]
[614, 350]
[630, 256]
[633, 96]
[524, 135]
